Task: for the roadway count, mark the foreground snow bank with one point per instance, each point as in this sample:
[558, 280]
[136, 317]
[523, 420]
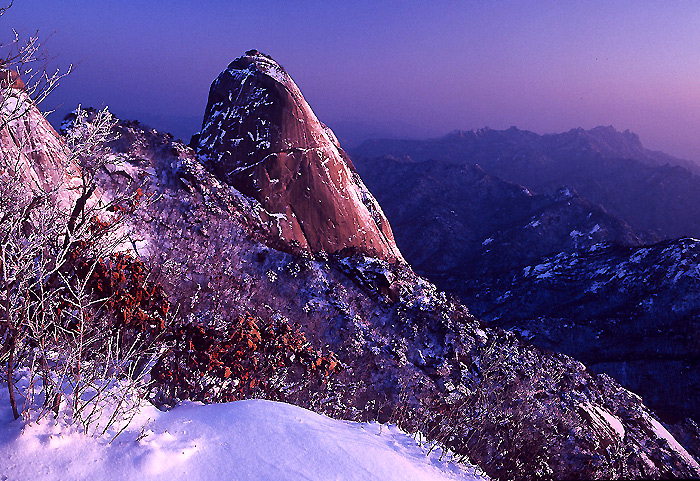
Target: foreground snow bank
[245, 440]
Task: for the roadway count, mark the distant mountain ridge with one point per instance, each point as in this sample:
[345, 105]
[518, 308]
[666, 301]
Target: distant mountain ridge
[453, 147]
[557, 237]
[657, 194]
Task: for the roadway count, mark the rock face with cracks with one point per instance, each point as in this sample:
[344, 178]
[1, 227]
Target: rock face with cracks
[260, 136]
[30, 148]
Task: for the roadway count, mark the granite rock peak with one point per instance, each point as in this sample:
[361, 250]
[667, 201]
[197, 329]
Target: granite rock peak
[260, 136]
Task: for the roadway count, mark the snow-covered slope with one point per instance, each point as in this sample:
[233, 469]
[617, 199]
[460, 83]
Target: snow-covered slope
[395, 338]
[628, 311]
[407, 353]
[245, 440]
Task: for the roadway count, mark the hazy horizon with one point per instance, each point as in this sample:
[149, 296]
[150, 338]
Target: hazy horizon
[402, 69]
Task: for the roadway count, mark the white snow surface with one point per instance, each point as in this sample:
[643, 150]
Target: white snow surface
[245, 440]
[612, 421]
[662, 433]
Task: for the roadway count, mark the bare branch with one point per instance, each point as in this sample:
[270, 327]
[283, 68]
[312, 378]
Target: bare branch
[5, 8]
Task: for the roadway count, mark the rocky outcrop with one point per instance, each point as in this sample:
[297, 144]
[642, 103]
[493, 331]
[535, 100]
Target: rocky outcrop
[31, 149]
[260, 136]
[10, 79]
[409, 353]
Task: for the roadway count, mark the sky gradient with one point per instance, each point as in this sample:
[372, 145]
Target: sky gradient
[410, 68]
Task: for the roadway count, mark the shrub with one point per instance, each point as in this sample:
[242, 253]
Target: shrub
[248, 358]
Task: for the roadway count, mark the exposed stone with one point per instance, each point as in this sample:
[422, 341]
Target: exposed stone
[31, 149]
[9, 79]
[260, 136]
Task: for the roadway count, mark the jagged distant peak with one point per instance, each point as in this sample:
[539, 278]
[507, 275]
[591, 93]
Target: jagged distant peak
[459, 133]
[487, 133]
[609, 138]
[458, 145]
[260, 136]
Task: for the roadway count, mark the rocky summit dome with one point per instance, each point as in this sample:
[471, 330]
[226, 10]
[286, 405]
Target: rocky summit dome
[260, 136]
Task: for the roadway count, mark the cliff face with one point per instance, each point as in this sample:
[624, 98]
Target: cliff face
[260, 136]
[31, 149]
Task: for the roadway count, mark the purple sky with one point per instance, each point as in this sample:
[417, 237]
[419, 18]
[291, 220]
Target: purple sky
[418, 68]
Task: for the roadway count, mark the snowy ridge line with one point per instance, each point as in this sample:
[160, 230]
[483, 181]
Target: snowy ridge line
[254, 440]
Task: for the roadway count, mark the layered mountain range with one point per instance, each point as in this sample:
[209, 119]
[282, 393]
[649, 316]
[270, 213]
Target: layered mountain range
[267, 218]
[563, 250]
[655, 193]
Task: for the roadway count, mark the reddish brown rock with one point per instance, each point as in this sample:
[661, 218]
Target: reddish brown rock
[260, 136]
[31, 150]
[9, 79]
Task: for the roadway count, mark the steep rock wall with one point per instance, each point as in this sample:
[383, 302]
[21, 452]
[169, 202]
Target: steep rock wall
[260, 136]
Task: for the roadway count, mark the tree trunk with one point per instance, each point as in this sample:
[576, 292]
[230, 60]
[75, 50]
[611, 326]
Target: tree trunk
[10, 367]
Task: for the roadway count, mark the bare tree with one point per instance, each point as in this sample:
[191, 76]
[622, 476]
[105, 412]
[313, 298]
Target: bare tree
[58, 236]
[25, 65]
